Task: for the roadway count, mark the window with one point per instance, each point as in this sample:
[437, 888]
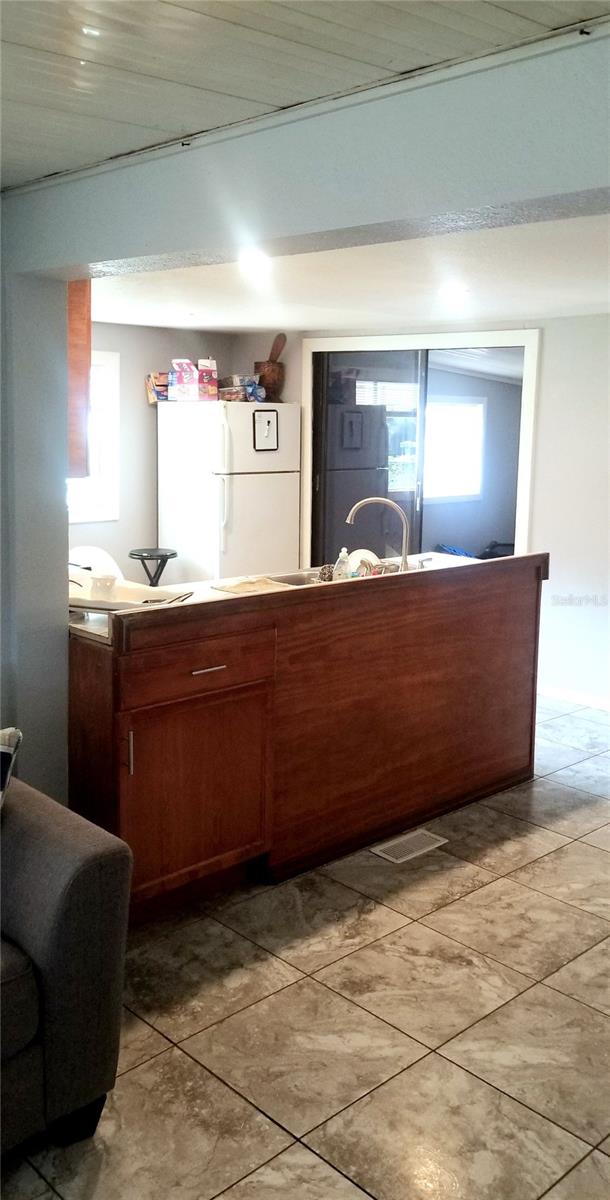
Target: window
[400, 396]
[96, 497]
[400, 399]
[453, 449]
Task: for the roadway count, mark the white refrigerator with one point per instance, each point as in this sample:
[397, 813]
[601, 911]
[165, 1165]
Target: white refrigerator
[228, 488]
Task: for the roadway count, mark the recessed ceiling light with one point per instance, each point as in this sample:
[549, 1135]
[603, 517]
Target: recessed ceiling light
[455, 296]
[83, 62]
[453, 290]
[90, 31]
[254, 263]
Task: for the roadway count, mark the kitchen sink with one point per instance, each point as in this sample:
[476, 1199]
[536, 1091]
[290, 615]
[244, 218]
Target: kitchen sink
[297, 578]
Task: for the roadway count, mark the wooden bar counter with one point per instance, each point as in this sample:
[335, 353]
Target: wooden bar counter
[302, 723]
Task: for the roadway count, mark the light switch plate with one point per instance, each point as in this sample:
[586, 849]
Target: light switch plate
[265, 429]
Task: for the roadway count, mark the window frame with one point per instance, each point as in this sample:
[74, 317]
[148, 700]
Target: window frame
[530, 341]
[95, 498]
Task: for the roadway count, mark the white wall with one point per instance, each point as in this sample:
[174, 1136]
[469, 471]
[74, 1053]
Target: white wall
[570, 507]
[142, 349]
[569, 502]
[35, 528]
[475, 522]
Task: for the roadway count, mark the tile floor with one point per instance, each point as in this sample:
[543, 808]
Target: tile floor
[438, 1030]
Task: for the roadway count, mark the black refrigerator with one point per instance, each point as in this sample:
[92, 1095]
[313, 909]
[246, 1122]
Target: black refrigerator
[368, 411]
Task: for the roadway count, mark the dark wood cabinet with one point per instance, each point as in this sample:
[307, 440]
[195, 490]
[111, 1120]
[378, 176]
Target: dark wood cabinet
[171, 750]
[193, 785]
[304, 723]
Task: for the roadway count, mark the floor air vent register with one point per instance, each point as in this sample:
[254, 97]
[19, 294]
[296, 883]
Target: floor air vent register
[408, 845]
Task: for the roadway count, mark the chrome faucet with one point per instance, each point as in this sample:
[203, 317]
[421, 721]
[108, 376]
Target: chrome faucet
[349, 520]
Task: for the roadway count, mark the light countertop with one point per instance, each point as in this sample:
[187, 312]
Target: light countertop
[96, 625]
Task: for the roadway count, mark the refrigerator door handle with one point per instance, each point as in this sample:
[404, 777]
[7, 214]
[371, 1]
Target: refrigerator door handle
[225, 515]
[226, 445]
[418, 495]
[384, 440]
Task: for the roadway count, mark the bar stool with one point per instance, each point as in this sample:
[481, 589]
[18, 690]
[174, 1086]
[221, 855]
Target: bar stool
[153, 554]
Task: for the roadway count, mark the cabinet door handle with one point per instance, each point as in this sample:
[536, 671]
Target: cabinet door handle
[207, 670]
[130, 767]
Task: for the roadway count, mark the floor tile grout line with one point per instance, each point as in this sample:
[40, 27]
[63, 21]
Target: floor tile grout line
[247, 938]
[533, 982]
[344, 1108]
[313, 977]
[492, 1013]
[369, 1013]
[166, 926]
[584, 841]
[576, 787]
[589, 754]
[532, 979]
[309, 974]
[520, 820]
[493, 957]
[151, 1058]
[47, 1183]
[577, 1000]
[360, 1186]
[568, 903]
[313, 973]
[303, 1146]
[571, 837]
[320, 869]
[467, 1071]
[461, 861]
[508, 875]
[567, 713]
[566, 1173]
[236, 1092]
[581, 954]
[593, 724]
[483, 953]
[299, 1136]
[523, 1103]
[249, 1174]
[44, 1180]
[178, 1041]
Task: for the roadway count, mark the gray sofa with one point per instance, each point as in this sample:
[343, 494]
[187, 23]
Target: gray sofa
[65, 896]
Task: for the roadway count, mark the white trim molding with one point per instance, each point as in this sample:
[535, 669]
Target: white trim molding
[528, 339]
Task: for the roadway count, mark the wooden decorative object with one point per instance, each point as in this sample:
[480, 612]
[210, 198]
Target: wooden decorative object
[79, 367]
[271, 372]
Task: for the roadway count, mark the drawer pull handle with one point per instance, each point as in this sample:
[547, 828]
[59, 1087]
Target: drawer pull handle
[207, 670]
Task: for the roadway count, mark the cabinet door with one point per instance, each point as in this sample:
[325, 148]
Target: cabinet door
[193, 785]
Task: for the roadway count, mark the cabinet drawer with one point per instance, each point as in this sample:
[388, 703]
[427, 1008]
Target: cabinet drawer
[177, 672]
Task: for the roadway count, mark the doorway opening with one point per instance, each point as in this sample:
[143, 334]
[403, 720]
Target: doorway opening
[444, 431]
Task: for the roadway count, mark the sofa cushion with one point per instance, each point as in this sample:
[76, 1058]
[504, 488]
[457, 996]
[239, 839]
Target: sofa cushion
[20, 1010]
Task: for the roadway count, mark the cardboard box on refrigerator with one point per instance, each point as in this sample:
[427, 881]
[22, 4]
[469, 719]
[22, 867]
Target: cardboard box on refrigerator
[208, 379]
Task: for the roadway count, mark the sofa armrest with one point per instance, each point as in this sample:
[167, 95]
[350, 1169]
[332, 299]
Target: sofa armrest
[65, 898]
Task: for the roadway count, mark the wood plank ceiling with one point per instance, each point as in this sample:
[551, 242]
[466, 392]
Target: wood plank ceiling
[86, 80]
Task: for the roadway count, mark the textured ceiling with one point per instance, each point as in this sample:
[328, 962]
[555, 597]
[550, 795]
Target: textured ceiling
[88, 80]
[520, 273]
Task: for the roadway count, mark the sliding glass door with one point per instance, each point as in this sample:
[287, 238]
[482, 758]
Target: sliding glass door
[368, 411]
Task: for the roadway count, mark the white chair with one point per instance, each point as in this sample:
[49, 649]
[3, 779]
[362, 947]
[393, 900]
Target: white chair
[100, 561]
